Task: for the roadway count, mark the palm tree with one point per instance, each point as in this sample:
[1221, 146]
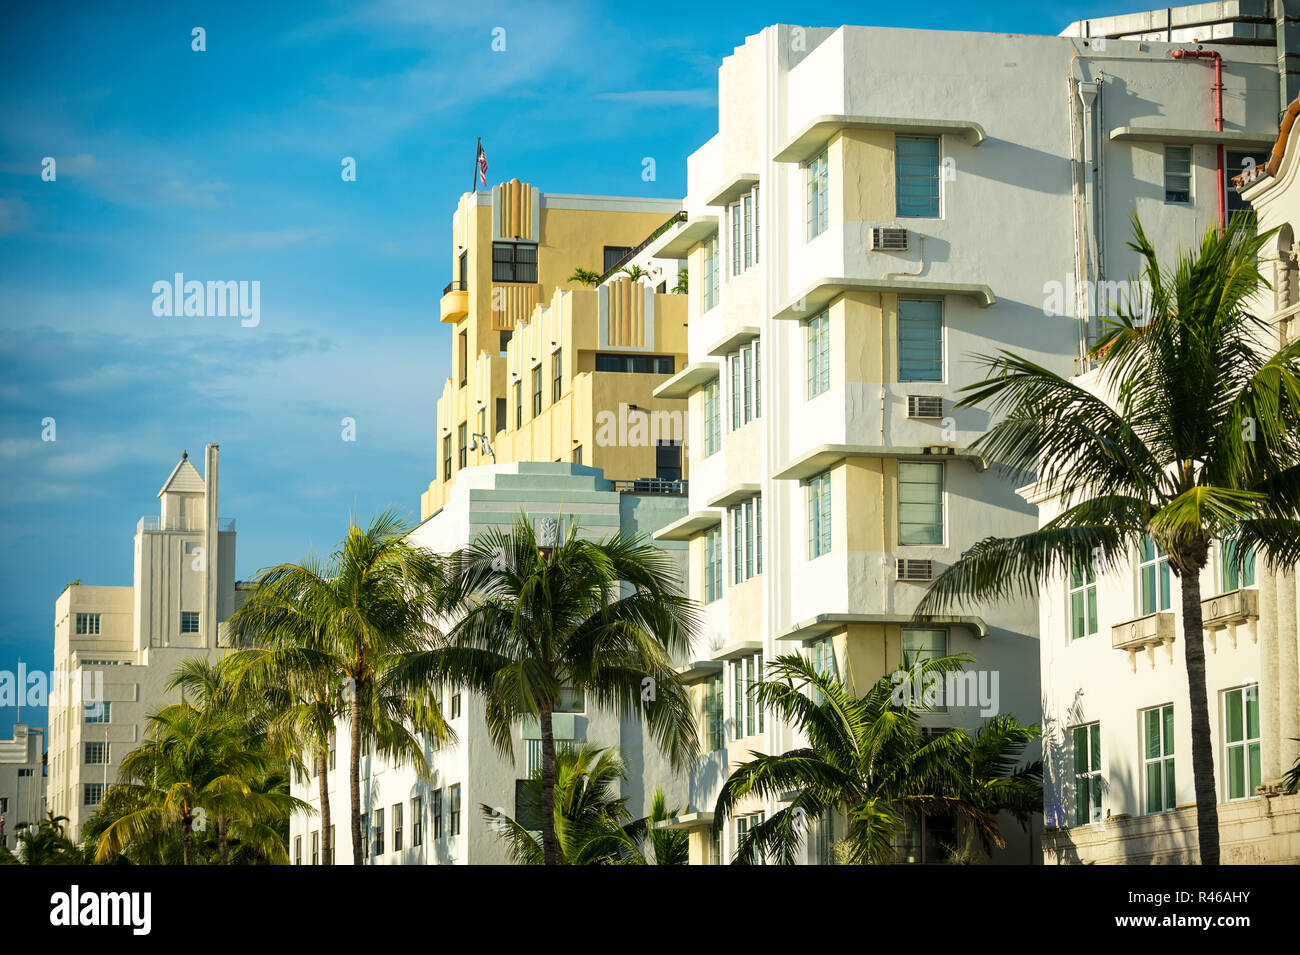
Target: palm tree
[648, 845]
[683, 285]
[541, 624]
[635, 272]
[585, 277]
[868, 761]
[43, 844]
[1197, 443]
[356, 617]
[193, 765]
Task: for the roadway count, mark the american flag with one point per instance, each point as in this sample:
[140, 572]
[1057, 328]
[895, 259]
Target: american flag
[480, 162]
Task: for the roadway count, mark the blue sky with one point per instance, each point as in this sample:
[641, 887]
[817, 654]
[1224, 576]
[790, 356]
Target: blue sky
[225, 165]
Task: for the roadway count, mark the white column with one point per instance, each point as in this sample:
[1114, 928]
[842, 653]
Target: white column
[1270, 725]
[1288, 672]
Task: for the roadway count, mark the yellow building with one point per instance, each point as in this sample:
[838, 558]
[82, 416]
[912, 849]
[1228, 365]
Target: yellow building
[547, 369]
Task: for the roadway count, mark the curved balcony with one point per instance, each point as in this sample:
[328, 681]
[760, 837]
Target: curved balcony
[455, 302]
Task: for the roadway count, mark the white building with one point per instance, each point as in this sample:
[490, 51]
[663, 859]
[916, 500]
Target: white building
[410, 821]
[117, 647]
[1118, 732]
[878, 207]
[22, 781]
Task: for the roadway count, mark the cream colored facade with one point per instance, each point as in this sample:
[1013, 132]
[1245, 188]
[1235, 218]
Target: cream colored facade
[22, 781]
[526, 341]
[115, 648]
[794, 203]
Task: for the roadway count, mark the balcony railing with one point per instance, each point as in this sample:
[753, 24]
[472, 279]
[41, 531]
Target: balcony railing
[636, 250]
[224, 524]
[456, 287]
[651, 486]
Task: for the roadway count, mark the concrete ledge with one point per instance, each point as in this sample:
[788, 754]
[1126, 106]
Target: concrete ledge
[816, 134]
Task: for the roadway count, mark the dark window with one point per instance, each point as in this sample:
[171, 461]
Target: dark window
[464, 270]
[514, 262]
[519, 404]
[537, 391]
[614, 254]
[463, 450]
[662, 287]
[505, 340]
[1237, 163]
[577, 455]
[446, 457]
[636, 364]
[668, 460]
[501, 414]
[464, 357]
[557, 376]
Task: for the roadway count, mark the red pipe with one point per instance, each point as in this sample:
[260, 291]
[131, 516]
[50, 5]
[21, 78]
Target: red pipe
[1218, 116]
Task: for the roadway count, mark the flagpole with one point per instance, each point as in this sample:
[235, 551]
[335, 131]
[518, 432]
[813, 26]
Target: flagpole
[478, 151]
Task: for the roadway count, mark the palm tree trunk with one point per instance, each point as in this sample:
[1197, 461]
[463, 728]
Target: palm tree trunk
[187, 843]
[223, 845]
[550, 854]
[354, 763]
[322, 768]
[1207, 804]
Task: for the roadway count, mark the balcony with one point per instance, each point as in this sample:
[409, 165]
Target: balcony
[225, 525]
[1145, 633]
[651, 486]
[455, 302]
[1230, 612]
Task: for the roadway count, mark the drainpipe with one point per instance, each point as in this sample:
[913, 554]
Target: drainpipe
[1218, 114]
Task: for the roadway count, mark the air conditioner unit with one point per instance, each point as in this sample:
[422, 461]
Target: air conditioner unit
[888, 239]
[924, 406]
[913, 568]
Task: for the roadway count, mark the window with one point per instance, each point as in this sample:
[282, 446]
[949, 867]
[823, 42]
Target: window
[557, 376]
[747, 539]
[436, 811]
[96, 754]
[819, 515]
[636, 364]
[815, 175]
[297, 850]
[921, 647]
[462, 454]
[333, 843]
[463, 339]
[446, 457]
[577, 454]
[572, 700]
[821, 653]
[1087, 774]
[744, 824]
[745, 368]
[453, 824]
[417, 820]
[1241, 740]
[189, 621]
[397, 827]
[712, 417]
[455, 706]
[920, 340]
[514, 262]
[746, 671]
[713, 564]
[1178, 174]
[668, 460]
[1158, 758]
[710, 290]
[615, 254]
[91, 793]
[1236, 164]
[463, 270]
[817, 349]
[98, 712]
[519, 404]
[500, 423]
[378, 831]
[1153, 572]
[315, 848]
[1083, 601]
[920, 503]
[1234, 577]
[916, 176]
[537, 391]
[87, 624]
[743, 215]
[715, 730]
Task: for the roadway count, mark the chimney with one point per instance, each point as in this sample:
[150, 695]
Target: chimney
[211, 536]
